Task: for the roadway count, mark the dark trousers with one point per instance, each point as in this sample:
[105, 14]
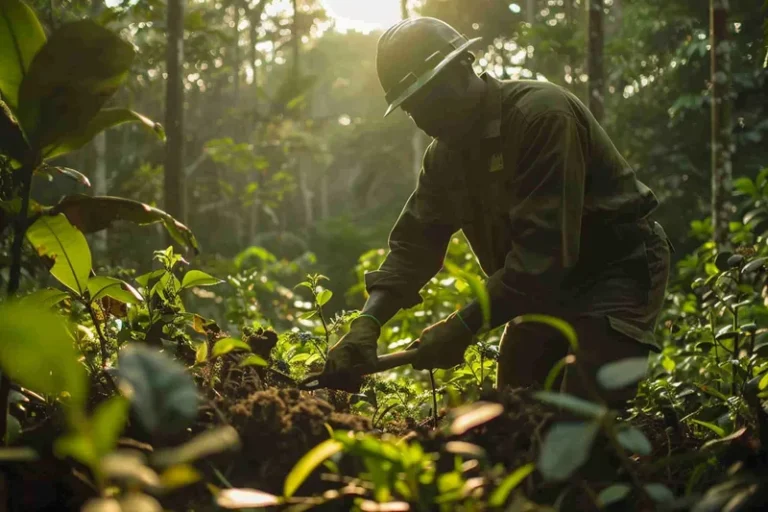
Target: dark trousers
[614, 314]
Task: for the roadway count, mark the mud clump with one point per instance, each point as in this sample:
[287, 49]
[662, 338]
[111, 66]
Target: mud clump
[277, 427]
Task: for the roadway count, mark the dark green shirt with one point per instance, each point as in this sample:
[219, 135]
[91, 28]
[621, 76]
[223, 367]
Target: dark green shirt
[538, 168]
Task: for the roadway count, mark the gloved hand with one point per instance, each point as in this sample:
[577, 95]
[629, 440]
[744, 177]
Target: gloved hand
[356, 352]
[443, 344]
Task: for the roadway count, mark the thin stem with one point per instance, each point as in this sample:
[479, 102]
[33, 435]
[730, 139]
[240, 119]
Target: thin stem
[325, 328]
[434, 396]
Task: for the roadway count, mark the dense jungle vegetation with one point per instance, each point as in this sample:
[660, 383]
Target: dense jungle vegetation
[191, 192]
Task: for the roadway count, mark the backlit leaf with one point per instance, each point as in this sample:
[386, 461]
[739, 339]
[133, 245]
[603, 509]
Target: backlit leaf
[561, 325]
[246, 498]
[198, 278]
[179, 475]
[227, 345]
[472, 415]
[46, 298]
[54, 238]
[21, 37]
[103, 286]
[510, 482]
[107, 423]
[323, 297]
[253, 360]
[308, 463]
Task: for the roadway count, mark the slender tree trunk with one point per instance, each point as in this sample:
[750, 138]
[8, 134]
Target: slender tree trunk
[100, 186]
[174, 114]
[595, 59]
[530, 11]
[236, 56]
[720, 58]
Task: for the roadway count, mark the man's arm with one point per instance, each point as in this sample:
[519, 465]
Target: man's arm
[545, 214]
[417, 246]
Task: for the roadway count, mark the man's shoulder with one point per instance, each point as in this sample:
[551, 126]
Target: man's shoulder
[528, 99]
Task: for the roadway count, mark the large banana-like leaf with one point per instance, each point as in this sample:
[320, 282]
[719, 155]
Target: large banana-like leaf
[21, 37]
[91, 214]
[104, 119]
[69, 80]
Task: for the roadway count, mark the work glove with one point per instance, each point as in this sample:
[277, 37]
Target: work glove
[443, 344]
[356, 352]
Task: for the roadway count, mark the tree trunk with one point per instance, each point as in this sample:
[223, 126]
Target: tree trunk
[100, 163]
[530, 11]
[174, 114]
[236, 57]
[720, 58]
[595, 59]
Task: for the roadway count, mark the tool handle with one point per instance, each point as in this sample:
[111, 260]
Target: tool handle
[389, 361]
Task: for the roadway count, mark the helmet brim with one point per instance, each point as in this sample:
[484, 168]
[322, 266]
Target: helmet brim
[430, 75]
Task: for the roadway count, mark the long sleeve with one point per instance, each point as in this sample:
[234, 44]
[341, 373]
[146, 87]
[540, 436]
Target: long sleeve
[545, 217]
[417, 242]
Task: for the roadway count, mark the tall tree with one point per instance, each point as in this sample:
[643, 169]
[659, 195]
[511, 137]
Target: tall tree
[174, 113]
[720, 69]
[595, 58]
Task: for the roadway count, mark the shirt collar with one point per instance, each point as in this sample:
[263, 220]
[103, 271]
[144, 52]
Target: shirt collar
[491, 120]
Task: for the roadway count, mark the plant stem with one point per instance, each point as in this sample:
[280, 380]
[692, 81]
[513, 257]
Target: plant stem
[325, 328]
[14, 281]
[434, 396]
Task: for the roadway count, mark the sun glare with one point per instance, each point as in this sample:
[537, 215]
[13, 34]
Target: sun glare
[363, 15]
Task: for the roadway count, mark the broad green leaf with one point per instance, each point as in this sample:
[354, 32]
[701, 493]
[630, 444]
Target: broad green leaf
[246, 498]
[323, 297]
[103, 120]
[227, 345]
[635, 441]
[210, 442]
[46, 298]
[37, 352]
[78, 69]
[161, 392]
[510, 482]
[659, 492]
[107, 423]
[91, 214]
[101, 286]
[308, 463]
[198, 278]
[622, 373]
[471, 415]
[54, 238]
[144, 280]
[561, 325]
[566, 447]
[307, 315]
[78, 446]
[763, 382]
[253, 360]
[572, 403]
[711, 426]
[66, 171]
[613, 494]
[21, 37]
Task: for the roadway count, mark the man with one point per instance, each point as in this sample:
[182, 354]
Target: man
[555, 216]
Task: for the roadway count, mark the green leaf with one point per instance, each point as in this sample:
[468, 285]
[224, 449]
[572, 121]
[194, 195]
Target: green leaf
[566, 447]
[323, 297]
[21, 37]
[198, 278]
[54, 238]
[635, 441]
[711, 426]
[613, 494]
[561, 325]
[308, 463]
[622, 373]
[80, 67]
[510, 482]
[91, 214]
[227, 345]
[37, 352]
[246, 498]
[659, 492]
[253, 360]
[66, 171]
[103, 120]
[201, 354]
[99, 287]
[572, 403]
[162, 393]
[45, 298]
[145, 279]
[179, 475]
[763, 382]
[307, 315]
[210, 442]
[107, 423]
